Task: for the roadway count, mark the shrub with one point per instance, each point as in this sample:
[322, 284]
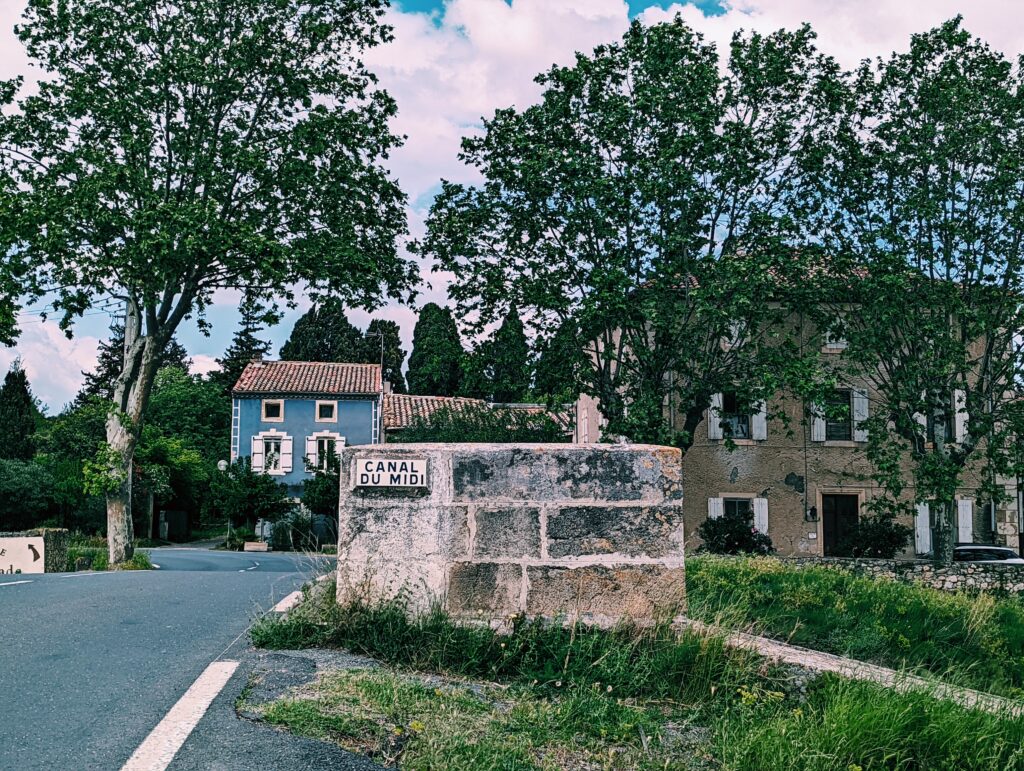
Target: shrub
[877, 536]
[243, 496]
[733, 533]
[479, 423]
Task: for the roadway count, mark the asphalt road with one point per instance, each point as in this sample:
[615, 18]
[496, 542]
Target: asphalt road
[91, 662]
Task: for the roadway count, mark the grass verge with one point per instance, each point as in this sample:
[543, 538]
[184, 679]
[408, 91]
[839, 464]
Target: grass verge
[970, 640]
[553, 697]
[97, 558]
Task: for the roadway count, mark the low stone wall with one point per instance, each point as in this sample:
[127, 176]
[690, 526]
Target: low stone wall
[55, 546]
[593, 532]
[969, 576]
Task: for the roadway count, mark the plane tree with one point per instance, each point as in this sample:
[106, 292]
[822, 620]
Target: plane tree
[921, 214]
[176, 147]
[648, 201]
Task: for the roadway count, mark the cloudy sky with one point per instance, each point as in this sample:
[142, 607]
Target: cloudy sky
[453, 61]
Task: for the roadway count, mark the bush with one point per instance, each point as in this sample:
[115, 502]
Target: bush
[471, 422]
[243, 496]
[733, 533]
[877, 536]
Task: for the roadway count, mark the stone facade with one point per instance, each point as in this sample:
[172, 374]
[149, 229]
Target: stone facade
[960, 576]
[567, 531]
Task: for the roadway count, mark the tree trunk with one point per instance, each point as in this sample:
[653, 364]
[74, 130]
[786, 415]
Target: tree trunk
[942, 535]
[120, 532]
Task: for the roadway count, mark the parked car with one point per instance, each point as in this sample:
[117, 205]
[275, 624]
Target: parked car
[984, 553]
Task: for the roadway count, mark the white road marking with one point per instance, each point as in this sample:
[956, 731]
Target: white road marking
[91, 573]
[15, 583]
[254, 566]
[156, 566]
[160, 747]
[288, 602]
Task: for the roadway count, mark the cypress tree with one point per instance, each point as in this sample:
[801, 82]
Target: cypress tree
[510, 360]
[558, 367]
[17, 415]
[324, 333]
[435, 365]
[394, 356]
[245, 346]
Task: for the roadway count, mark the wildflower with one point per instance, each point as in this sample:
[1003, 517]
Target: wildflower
[608, 689]
[558, 683]
[503, 645]
[416, 726]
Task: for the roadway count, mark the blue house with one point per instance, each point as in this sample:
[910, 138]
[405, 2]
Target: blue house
[287, 416]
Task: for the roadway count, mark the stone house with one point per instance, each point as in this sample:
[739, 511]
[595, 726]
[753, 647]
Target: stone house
[805, 480]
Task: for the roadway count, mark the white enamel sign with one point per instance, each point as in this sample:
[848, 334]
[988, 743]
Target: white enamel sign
[21, 555]
[391, 472]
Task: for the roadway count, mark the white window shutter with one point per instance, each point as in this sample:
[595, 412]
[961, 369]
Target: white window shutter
[311, 452]
[761, 515]
[715, 417]
[759, 422]
[817, 424]
[923, 529]
[965, 520]
[860, 414]
[257, 453]
[960, 415]
[286, 454]
[716, 506]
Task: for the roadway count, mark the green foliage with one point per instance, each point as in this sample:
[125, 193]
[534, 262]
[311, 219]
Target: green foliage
[212, 147]
[976, 641]
[480, 423]
[510, 361]
[733, 533]
[190, 410]
[242, 496]
[560, 364]
[877, 536]
[653, 661]
[435, 365]
[919, 197]
[26, 494]
[320, 493]
[648, 201]
[580, 684]
[17, 415]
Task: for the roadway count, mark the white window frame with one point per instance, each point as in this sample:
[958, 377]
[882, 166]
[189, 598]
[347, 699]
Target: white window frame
[263, 411]
[284, 457]
[334, 414]
[313, 447]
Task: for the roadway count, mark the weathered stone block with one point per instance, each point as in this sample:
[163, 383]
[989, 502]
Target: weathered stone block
[485, 589]
[605, 593]
[654, 531]
[613, 473]
[507, 532]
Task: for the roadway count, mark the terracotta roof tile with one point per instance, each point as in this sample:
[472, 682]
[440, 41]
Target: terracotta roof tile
[400, 410]
[308, 377]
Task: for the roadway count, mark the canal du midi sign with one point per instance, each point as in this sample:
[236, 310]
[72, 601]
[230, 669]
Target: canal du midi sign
[391, 472]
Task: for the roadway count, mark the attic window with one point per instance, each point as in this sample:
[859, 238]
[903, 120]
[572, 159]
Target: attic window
[326, 412]
[273, 410]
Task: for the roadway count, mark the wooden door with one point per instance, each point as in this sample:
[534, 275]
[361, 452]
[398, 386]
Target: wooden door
[839, 517]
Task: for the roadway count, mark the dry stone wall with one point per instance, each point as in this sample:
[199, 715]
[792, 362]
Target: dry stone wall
[593, 532]
[967, 576]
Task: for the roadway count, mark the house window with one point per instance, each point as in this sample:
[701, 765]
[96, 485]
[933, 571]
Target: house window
[326, 412]
[326, 448]
[273, 410]
[740, 506]
[272, 454]
[839, 416]
[734, 417]
[941, 424]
